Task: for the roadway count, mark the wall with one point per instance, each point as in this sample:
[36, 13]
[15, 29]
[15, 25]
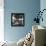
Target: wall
[43, 6]
[29, 8]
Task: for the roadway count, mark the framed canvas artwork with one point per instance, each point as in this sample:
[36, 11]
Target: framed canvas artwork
[17, 19]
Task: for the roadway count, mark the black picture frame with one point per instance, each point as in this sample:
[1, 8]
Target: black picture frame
[17, 19]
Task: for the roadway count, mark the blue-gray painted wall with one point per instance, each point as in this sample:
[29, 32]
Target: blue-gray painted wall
[43, 6]
[29, 8]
